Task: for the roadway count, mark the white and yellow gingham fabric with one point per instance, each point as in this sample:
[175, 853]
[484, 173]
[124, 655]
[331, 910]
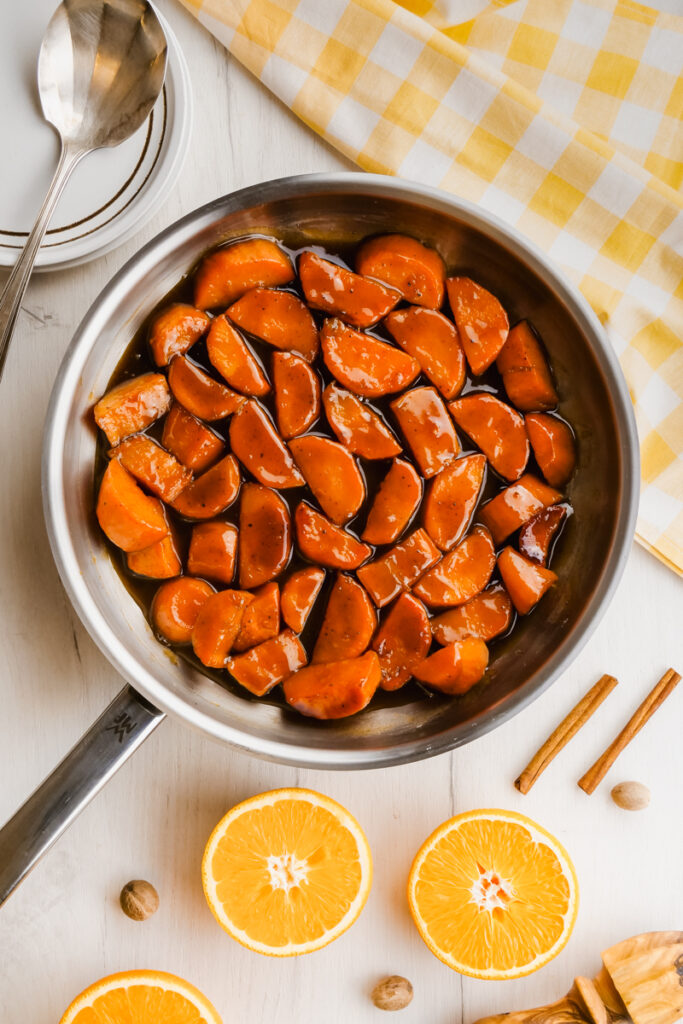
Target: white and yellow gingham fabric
[561, 116]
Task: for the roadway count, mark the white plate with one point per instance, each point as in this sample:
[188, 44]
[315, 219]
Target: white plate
[112, 191]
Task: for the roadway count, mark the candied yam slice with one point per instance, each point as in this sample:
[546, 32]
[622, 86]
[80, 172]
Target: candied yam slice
[403, 640]
[349, 622]
[461, 574]
[278, 318]
[336, 689]
[399, 568]
[431, 338]
[481, 321]
[129, 517]
[211, 493]
[260, 449]
[322, 542]
[297, 394]
[525, 581]
[537, 536]
[199, 393]
[485, 616]
[333, 475]
[299, 594]
[175, 330]
[261, 619]
[229, 353]
[395, 503]
[497, 429]
[157, 469]
[525, 371]
[268, 664]
[213, 551]
[175, 608]
[227, 273]
[190, 440]
[413, 269]
[452, 499]
[363, 364]
[132, 406]
[265, 535]
[159, 561]
[352, 298]
[428, 429]
[515, 506]
[217, 625]
[358, 426]
[456, 668]
[553, 443]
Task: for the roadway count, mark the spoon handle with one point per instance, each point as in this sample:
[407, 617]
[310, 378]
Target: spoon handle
[21, 272]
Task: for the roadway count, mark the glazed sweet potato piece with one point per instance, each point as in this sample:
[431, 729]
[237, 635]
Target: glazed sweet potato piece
[261, 450]
[454, 669]
[428, 429]
[363, 364]
[227, 273]
[403, 640]
[322, 542]
[129, 517]
[431, 338]
[212, 492]
[217, 625]
[273, 661]
[396, 502]
[349, 622]
[157, 469]
[452, 499]
[297, 394]
[497, 429]
[199, 393]
[481, 321]
[525, 371]
[132, 406]
[334, 690]
[175, 330]
[553, 443]
[485, 616]
[536, 537]
[190, 440]
[515, 506]
[461, 574]
[525, 581]
[359, 427]
[213, 551]
[176, 606]
[234, 360]
[332, 474]
[399, 568]
[338, 291]
[261, 619]
[278, 318]
[159, 561]
[299, 594]
[413, 269]
[265, 535]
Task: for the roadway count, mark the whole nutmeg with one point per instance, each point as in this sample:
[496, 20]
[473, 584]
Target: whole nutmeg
[139, 900]
[631, 796]
[394, 993]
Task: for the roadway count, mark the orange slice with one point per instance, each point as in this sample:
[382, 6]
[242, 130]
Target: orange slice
[287, 872]
[493, 894]
[134, 996]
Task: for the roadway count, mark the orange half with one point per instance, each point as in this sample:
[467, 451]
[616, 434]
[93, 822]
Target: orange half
[141, 997]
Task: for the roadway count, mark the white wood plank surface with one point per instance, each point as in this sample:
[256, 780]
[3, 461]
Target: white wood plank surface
[63, 929]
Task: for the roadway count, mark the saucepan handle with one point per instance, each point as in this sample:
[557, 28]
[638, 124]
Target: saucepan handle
[110, 741]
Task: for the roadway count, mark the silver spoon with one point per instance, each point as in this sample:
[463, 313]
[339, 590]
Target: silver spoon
[100, 70]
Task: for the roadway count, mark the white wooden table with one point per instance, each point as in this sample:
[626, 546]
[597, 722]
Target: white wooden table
[63, 929]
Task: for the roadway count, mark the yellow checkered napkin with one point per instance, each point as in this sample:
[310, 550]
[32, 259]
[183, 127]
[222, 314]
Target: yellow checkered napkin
[563, 118]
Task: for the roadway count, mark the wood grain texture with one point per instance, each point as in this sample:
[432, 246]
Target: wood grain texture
[64, 928]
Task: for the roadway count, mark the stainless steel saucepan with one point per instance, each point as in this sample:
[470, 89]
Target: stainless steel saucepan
[325, 208]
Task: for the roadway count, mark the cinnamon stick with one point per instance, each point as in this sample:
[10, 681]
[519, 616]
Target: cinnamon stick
[654, 699]
[567, 728]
